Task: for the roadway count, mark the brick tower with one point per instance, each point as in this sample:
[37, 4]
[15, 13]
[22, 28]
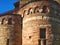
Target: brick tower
[41, 22]
[10, 29]
[38, 24]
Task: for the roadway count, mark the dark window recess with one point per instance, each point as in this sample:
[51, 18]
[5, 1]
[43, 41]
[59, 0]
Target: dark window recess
[29, 37]
[39, 42]
[9, 21]
[2, 20]
[7, 42]
[44, 9]
[42, 32]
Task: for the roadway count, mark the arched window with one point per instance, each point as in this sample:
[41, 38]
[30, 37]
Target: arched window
[26, 12]
[45, 9]
[37, 9]
[10, 21]
[31, 11]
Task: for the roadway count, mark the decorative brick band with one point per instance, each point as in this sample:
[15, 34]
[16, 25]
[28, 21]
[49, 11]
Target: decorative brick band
[42, 18]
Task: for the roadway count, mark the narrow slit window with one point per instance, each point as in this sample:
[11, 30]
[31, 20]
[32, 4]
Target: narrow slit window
[7, 41]
[39, 42]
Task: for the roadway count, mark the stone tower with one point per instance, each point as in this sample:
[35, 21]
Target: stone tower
[41, 22]
[10, 29]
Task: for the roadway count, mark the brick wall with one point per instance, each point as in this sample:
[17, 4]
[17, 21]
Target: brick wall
[37, 15]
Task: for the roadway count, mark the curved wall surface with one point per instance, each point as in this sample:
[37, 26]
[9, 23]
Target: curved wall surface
[40, 24]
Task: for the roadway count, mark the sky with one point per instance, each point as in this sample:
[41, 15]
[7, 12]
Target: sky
[6, 5]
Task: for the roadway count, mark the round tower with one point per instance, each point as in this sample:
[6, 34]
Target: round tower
[10, 30]
[41, 22]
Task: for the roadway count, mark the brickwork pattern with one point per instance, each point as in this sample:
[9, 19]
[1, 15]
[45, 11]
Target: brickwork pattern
[25, 29]
[38, 15]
